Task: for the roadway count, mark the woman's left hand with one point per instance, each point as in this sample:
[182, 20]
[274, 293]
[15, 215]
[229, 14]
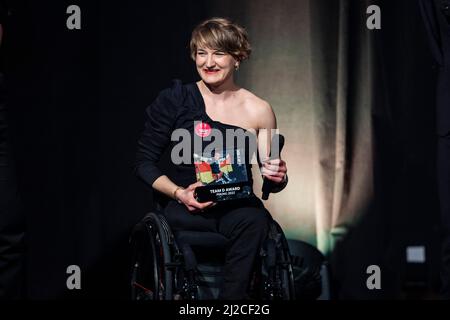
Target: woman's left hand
[274, 170]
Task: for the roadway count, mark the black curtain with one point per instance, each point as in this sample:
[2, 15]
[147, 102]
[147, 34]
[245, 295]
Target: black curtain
[436, 18]
[77, 99]
[405, 209]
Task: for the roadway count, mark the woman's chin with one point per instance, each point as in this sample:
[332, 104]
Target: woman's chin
[213, 81]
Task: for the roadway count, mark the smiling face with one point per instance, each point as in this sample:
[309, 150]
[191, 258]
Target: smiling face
[214, 66]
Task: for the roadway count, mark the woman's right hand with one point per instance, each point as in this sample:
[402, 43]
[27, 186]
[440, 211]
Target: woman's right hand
[186, 196]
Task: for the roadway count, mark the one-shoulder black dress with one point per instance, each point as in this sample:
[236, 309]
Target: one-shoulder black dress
[244, 222]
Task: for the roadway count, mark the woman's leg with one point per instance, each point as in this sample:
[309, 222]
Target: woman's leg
[246, 227]
[179, 219]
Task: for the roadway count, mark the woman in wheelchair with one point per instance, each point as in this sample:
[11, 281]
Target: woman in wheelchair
[184, 118]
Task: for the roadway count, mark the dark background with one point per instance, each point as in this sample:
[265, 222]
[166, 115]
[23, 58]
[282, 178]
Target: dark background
[405, 205]
[76, 101]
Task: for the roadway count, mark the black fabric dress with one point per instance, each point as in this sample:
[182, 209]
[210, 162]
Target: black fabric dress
[244, 222]
[178, 107]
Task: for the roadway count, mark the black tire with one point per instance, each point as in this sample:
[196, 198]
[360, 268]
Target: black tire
[281, 276]
[287, 274]
[151, 279]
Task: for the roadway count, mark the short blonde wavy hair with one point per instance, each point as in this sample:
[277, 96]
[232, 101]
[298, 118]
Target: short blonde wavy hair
[221, 34]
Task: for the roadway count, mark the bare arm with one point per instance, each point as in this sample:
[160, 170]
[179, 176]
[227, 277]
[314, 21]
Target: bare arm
[273, 169]
[164, 185]
[267, 123]
[185, 196]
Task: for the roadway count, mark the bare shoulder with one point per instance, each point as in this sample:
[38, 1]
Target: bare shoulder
[259, 109]
[252, 101]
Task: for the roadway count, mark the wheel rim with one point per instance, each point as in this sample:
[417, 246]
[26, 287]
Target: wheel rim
[148, 271]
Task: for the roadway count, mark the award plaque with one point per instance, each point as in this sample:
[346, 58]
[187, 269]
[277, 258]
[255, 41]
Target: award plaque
[224, 176]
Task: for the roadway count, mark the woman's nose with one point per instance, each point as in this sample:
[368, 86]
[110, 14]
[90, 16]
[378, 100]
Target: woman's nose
[210, 61]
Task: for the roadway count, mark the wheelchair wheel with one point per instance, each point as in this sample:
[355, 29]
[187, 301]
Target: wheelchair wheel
[151, 275]
[287, 273]
[277, 273]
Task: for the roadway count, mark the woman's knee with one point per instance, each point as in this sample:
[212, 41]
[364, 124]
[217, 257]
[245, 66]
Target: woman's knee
[179, 219]
[259, 217]
[254, 217]
[175, 216]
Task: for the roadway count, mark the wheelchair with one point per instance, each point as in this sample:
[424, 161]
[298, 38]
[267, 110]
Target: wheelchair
[188, 265]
